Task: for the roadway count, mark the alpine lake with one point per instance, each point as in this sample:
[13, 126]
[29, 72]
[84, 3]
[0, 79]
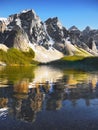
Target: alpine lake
[48, 98]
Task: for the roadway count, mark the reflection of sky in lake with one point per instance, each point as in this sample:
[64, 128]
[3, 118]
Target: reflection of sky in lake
[48, 98]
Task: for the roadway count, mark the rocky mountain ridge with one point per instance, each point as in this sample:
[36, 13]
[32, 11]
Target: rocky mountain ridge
[26, 29]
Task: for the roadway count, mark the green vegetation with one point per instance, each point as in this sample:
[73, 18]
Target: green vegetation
[72, 58]
[82, 52]
[77, 62]
[14, 74]
[91, 60]
[16, 57]
[79, 54]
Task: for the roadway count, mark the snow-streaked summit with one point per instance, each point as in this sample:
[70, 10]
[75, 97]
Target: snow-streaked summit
[3, 19]
[27, 10]
[59, 24]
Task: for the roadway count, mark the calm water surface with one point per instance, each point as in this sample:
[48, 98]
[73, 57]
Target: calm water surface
[47, 98]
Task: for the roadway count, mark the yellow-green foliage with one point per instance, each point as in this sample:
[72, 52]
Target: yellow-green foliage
[80, 54]
[83, 52]
[72, 58]
[17, 57]
[15, 74]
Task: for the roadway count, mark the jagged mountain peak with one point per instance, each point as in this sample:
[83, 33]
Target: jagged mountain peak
[30, 23]
[55, 29]
[54, 21]
[27, 14]
[27, 10]
[88, 28]
[73, 28]
[30, 12]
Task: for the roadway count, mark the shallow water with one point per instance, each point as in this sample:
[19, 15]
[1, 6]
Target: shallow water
[48, 98]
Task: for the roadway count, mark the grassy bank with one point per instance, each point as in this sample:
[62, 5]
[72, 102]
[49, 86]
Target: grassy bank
[16, 57]
[72, 58]
[77, 62]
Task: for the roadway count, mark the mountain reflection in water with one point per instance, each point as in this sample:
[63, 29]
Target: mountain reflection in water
[27, 94]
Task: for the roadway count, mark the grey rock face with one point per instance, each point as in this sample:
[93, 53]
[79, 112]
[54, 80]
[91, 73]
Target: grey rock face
[89, 33]
[17, 38]
[55, 30]
[86, 39]
[2, 26]
[74, 34]
[31, 24]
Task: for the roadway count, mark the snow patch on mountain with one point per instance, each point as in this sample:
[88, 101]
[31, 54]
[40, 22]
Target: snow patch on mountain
[51, 42]
[59, 24]
[43, 55]
[3, 19]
